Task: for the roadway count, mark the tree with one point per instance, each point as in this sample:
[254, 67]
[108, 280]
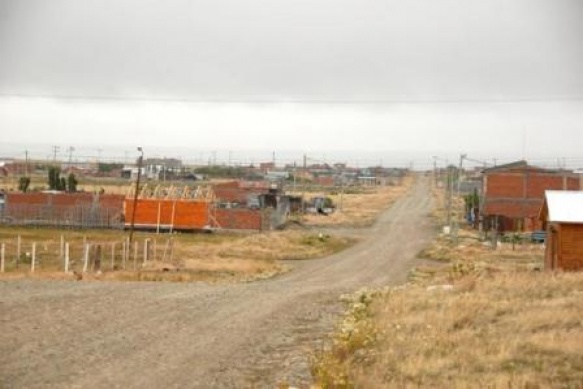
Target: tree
[72, 183]
[23, 184]
[56, 182]
[54, 178]
[472, 201]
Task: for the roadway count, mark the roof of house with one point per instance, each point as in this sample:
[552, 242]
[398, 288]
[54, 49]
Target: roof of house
[523, 165]
[513, 165]
[562, 206]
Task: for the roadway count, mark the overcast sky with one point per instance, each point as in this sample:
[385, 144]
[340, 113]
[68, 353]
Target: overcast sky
[491, 76]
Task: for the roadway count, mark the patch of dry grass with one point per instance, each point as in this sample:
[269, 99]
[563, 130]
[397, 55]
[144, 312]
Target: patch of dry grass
[514, 330]
[482, 318]
[178, 257]
[518, 330]
[361, 208]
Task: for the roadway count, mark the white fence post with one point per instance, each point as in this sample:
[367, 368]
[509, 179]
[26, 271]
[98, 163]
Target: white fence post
[2, 252]
[135, 254]
[67, 257]
[123, 255]
[86, 258]
[146, 250]
[62, 248]
[33, 259]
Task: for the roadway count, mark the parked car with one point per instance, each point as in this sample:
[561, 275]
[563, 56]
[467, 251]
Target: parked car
[538, 236]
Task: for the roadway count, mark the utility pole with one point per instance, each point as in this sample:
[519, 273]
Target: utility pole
[70, 150]
[459, 179]
[449, 194]
[55, 151]
[26, 163]
[435, 170]
[132, 224]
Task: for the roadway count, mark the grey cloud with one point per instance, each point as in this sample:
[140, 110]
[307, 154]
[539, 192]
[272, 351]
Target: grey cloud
[296, 49]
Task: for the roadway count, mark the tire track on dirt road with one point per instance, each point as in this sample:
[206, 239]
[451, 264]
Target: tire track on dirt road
[108, 334]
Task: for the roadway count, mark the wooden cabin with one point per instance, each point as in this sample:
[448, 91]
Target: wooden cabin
[562, 218]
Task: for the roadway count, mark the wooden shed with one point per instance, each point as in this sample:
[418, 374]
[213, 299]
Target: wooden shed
[562, 217]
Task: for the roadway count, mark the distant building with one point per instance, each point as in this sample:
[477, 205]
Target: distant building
[514, 193]
[266, 166]
[162, 168]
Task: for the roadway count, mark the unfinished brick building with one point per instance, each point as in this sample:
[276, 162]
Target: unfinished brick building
[514, 193]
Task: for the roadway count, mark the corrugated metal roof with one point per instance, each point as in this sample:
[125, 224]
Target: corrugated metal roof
[564, 206]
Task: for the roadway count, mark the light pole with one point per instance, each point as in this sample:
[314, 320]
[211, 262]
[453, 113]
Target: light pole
[135, 204]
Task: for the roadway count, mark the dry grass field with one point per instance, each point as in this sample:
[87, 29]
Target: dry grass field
[476, 317]
[359, 208]
[511, 330]
[177, 257]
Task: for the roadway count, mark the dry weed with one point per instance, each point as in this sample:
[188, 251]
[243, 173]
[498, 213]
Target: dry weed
[359, 209]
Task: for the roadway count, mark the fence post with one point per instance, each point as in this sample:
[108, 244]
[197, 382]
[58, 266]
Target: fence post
[18, 249]
[67, 257]
[33, 259]
[135, 254]
[112, 255]
[146, 250]
[62, 247]
[85, 257]
[2, 252]
[98, 258]
[123, 255]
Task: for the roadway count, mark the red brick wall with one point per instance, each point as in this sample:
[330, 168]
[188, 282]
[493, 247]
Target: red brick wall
[513, 209]
[64, 199]
[325, 181]
[504, 185]
[513, 185]
[238, 219]
[518, 195]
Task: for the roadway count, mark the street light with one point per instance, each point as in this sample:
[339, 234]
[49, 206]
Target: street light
[140, 160]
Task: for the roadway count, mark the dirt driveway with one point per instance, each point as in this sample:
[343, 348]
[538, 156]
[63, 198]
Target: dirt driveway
[151, 335]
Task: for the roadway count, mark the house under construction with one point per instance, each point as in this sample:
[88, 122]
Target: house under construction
[170, 208]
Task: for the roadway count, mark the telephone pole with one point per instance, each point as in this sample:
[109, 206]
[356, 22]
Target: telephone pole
[55, 151]
[140, 160]
[70, 150]
[459, 179]
[26, 163]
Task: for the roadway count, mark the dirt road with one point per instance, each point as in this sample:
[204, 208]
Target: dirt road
[106, 334]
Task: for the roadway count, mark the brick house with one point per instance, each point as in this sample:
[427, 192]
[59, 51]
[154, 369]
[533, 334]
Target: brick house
[513, 194]
[562, 217]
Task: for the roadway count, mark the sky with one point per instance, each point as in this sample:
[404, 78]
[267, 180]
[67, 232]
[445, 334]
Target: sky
[378, 77]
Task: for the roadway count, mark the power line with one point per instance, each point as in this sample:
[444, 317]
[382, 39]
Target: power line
[323, 101]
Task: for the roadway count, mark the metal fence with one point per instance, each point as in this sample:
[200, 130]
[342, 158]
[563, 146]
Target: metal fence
[66, 216]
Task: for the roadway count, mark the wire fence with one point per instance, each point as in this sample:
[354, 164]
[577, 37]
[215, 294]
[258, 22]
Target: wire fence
[27, 255]
[83, 216]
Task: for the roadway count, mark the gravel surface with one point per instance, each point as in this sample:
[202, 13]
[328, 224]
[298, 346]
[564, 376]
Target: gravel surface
[195, 335]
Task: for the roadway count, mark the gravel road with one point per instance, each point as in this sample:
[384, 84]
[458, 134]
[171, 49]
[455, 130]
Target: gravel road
[150, 335]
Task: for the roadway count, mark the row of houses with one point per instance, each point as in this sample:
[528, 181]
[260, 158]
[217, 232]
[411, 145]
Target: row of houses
[521, 197]
[237, 205]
